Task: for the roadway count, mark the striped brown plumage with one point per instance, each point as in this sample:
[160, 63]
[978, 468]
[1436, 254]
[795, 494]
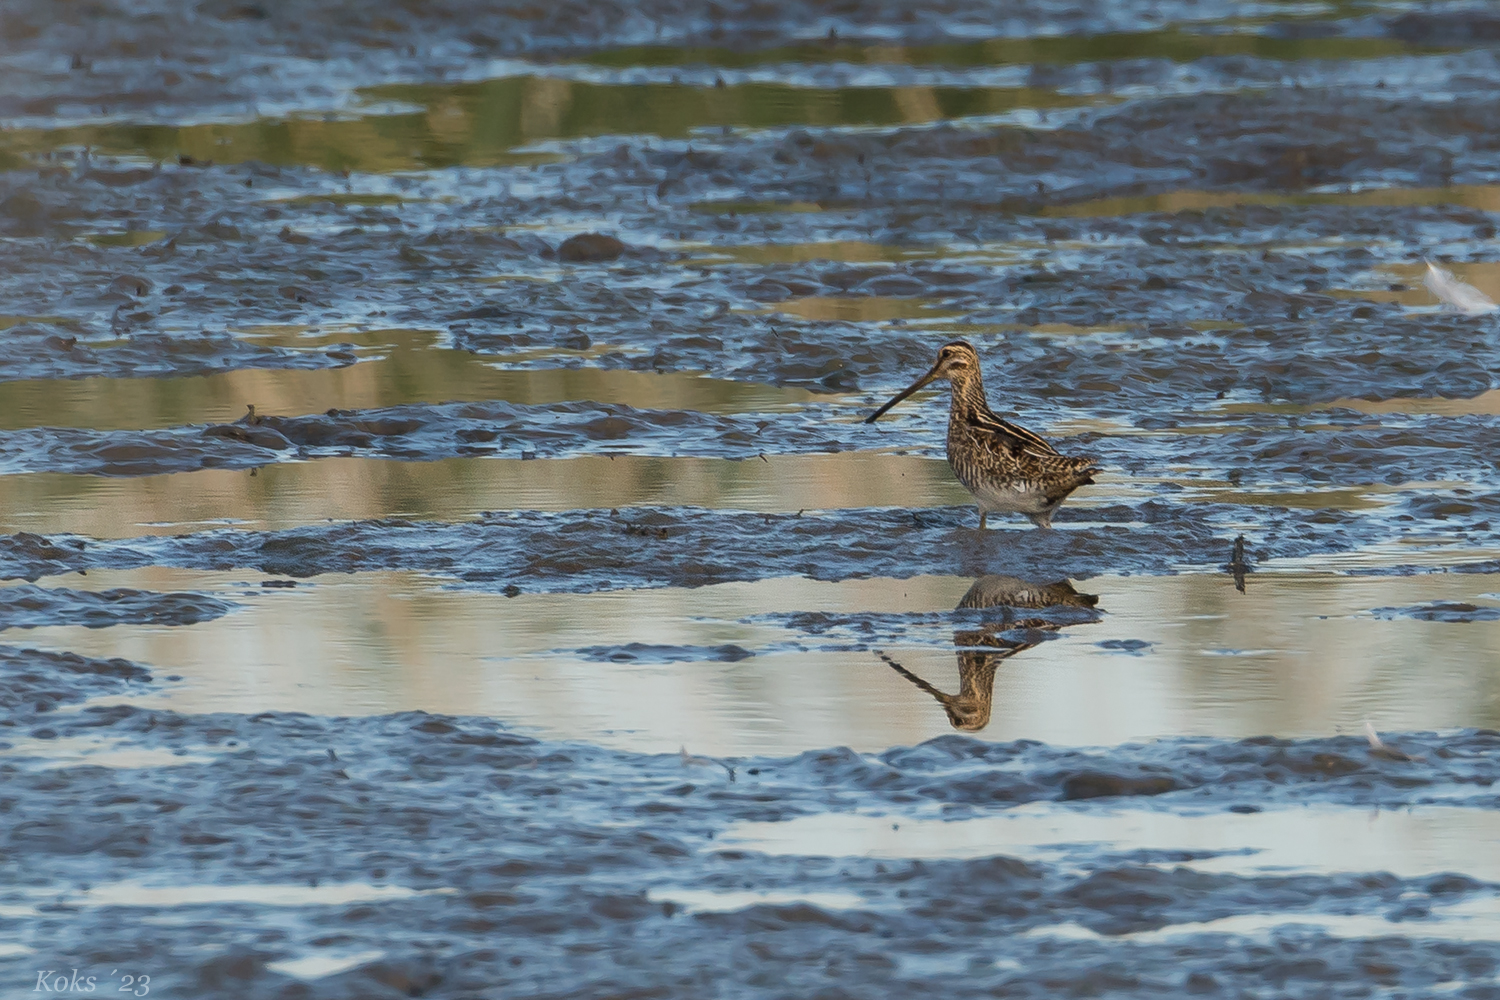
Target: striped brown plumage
[1008, 468]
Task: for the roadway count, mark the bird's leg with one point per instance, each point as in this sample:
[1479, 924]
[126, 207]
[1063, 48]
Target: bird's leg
[982, 515]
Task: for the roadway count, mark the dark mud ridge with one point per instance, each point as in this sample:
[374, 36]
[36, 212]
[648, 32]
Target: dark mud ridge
[684, 547]
[54, 350]
[1337, 446]
[1442, 611]
[26, 606]
[421, 432]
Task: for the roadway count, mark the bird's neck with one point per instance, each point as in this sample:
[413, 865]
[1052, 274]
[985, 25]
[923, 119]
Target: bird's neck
[968, 394]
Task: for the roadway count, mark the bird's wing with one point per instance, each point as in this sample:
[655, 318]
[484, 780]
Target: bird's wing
[1024, 444]
[1012, 436]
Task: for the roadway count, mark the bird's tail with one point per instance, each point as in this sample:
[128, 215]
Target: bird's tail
[1082, 471]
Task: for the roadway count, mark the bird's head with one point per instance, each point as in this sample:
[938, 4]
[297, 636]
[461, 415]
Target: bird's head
[955, 361]
[955, 358]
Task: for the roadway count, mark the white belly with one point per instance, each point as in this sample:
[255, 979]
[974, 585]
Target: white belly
[1020, 498]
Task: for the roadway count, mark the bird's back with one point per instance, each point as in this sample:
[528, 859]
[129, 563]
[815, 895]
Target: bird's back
[984, 448]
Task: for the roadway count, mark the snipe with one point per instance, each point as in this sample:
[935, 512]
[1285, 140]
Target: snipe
[1007, 468]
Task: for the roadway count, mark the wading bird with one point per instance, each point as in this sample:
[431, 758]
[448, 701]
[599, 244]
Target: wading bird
[1007, 468]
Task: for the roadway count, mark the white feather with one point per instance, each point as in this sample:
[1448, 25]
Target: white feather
[1381, 748]
[1456, 295]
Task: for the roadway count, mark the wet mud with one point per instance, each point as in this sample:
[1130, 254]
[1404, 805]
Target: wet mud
[28, 606]
[545, 867]
[1442, 611]
[510, 362]
[37, 681]
[868, 663]
[590, 550]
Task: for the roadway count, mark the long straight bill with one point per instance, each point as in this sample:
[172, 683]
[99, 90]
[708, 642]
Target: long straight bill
[903, 394]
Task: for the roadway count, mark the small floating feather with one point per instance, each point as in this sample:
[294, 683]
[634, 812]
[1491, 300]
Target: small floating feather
[1455, 294]
[688, 760]
[1381, 748]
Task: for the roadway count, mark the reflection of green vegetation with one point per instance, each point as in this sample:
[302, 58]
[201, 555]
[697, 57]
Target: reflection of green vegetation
[1347, 498]
[404, 376]
[1483, 197]
[754, 207]
[854, 251]
[6, 322]
[1350, 499]
[517, 110]
[481, 124]
[132, 238]
[374, 144]
[1173, 44]
[862, 309]
[793, 253]
[285, 494]
[1478, 196]
[346, 198]
[1486, 403]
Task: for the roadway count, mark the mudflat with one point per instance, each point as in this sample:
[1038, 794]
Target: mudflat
[443, 554]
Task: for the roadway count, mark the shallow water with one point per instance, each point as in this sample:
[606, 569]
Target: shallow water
[554, 618]
[406, 377]
[784, 665]
[1408, 844]
[492, 123]
[294, 494]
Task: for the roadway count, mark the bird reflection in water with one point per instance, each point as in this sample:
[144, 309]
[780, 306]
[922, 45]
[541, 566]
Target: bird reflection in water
[980, 650]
